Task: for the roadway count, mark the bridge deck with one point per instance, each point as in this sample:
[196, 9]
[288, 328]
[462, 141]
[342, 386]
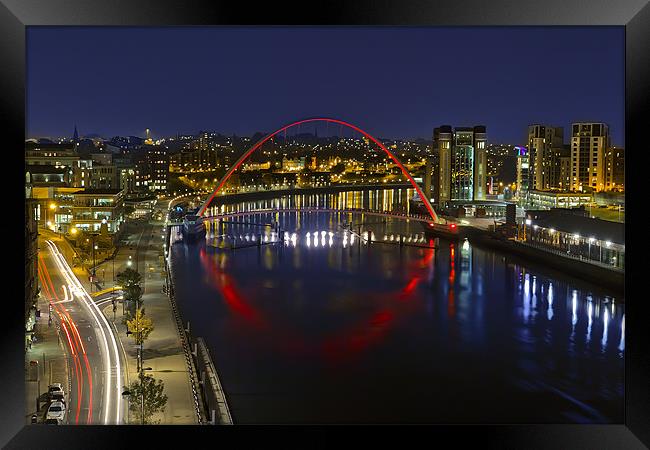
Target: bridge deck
[402, 216]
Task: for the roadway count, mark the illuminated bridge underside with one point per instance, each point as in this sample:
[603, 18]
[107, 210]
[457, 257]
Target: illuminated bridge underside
[259, 144]
[417, 218]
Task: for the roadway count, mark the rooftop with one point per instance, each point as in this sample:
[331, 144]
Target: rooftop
[45, 169]
[99, 192]
[568, 222]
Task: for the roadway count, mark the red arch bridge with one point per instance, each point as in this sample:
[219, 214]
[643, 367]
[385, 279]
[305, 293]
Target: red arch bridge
[433, 216]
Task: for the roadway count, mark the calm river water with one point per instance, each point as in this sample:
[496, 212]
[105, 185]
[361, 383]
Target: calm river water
[322, 327]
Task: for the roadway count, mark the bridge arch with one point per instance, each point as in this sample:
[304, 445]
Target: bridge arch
[259, 143]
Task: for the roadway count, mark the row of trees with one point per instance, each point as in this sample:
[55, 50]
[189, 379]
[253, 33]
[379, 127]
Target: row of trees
[146, 395]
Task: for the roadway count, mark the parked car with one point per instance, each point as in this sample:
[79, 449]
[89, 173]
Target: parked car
[56, 411]
[58, 396]
[51, 422]
[55, 388]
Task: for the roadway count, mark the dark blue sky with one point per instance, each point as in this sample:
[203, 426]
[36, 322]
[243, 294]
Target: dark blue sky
[392, 82]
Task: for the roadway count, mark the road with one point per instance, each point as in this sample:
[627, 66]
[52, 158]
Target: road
[95, 359]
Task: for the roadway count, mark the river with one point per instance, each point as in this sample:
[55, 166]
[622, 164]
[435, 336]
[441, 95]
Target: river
[322, 327]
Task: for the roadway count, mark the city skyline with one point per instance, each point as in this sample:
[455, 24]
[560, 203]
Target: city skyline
[211, 87]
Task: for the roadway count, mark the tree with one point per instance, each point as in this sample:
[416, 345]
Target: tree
[130, 282]
[339, 168]
[140, 326]
[129, 277]
[154, 398]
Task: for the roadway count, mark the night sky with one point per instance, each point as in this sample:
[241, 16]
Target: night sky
[392, 82]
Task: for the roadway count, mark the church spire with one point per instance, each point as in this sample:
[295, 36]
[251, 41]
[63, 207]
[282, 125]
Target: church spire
[75, 136]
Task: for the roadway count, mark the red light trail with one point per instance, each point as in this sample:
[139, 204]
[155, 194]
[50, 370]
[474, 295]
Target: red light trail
[75, 343]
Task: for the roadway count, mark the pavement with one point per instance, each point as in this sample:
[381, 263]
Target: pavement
[52, 366]
[163, 351]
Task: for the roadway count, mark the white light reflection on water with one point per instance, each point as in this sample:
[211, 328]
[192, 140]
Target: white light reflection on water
[574, 309]
[549, 311]
[590, 313]
[526, 298]
[605, 326]
[621, 345]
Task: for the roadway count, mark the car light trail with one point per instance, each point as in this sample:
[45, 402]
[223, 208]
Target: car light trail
[111, 358]
[74, 344]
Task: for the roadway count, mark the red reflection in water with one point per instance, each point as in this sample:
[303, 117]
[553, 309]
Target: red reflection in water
[345, 343]
[226, 286]
[410, 287]
[451, 308]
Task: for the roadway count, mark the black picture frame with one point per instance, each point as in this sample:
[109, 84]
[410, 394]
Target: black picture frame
[634, 15]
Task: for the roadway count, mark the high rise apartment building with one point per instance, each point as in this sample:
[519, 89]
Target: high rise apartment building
[544, 149]
[589, 142]
[614, 169]
[152, 169]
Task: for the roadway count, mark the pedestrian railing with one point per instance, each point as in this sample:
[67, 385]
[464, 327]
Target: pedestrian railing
[570, 256]
[194, 382]
[214, 394]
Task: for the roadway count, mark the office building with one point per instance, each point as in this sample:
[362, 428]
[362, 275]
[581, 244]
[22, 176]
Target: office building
[61, 209]
[460, 174]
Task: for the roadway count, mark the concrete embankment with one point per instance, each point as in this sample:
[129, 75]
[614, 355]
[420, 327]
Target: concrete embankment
[209, 396]
[602, 276]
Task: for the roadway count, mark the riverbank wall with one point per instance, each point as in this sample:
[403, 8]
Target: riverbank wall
[600, 275]
[209, 396]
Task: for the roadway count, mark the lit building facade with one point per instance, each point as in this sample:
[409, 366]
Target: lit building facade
[588, 144]
[556, 199]
[61, 209]
[460, 174]
[152, 169]
[544, 147]
[615, 169]
[31, 267]
[523, 178]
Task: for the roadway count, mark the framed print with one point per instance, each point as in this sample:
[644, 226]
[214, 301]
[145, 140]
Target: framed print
[298, 220]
